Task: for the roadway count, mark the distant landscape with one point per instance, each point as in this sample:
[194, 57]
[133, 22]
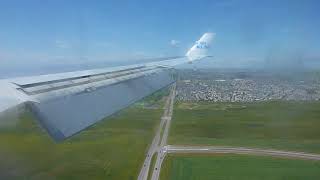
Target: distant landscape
[241, 85]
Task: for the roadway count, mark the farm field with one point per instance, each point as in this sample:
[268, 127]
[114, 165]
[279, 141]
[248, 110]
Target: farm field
[276, 124]
[237, 167]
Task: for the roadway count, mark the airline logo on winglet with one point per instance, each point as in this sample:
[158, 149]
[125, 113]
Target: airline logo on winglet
[200, 49]
[202, 45]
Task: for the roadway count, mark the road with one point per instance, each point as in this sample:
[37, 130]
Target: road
[155, 148]
[241, 150]
[163, 143]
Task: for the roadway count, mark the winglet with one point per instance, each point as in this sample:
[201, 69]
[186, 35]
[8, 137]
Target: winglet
[200, 49]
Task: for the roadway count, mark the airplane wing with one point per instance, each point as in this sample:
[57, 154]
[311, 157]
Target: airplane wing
[67, 103]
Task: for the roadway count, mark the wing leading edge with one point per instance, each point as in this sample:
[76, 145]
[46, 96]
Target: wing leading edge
[67, 103]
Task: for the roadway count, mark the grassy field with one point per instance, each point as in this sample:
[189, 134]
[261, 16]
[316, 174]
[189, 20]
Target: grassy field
[237, 167]
[280, 125]
[156, 100]
[112, 149]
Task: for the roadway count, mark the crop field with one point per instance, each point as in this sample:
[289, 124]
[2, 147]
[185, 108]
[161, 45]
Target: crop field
[237, 167]
[276, 124]
[112, 149]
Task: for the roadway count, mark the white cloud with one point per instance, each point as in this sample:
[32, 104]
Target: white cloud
[174, 43]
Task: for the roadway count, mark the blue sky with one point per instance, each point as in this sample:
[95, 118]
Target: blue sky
[41, 35]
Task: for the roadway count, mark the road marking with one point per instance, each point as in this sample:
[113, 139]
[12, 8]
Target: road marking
[241, 150]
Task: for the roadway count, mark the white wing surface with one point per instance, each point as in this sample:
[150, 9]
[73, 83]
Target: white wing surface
[67, 103]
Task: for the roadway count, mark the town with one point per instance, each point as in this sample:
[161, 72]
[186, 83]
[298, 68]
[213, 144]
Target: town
[230, 86]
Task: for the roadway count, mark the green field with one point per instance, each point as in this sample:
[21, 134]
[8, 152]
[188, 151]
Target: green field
[237, 167]
[113, 149]
[280, 125]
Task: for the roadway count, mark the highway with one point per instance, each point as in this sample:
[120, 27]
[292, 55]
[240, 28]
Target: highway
[155, 148]
[163, 143]
[241, 150]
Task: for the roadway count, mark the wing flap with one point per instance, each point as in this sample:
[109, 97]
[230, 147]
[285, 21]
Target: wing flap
[64, 117]
[97, 79]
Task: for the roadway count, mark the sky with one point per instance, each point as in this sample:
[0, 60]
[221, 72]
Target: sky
[44, 36]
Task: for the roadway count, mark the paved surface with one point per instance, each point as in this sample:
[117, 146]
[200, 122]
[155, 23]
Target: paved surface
[163, 143]
[154, 148]
[241, 150]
